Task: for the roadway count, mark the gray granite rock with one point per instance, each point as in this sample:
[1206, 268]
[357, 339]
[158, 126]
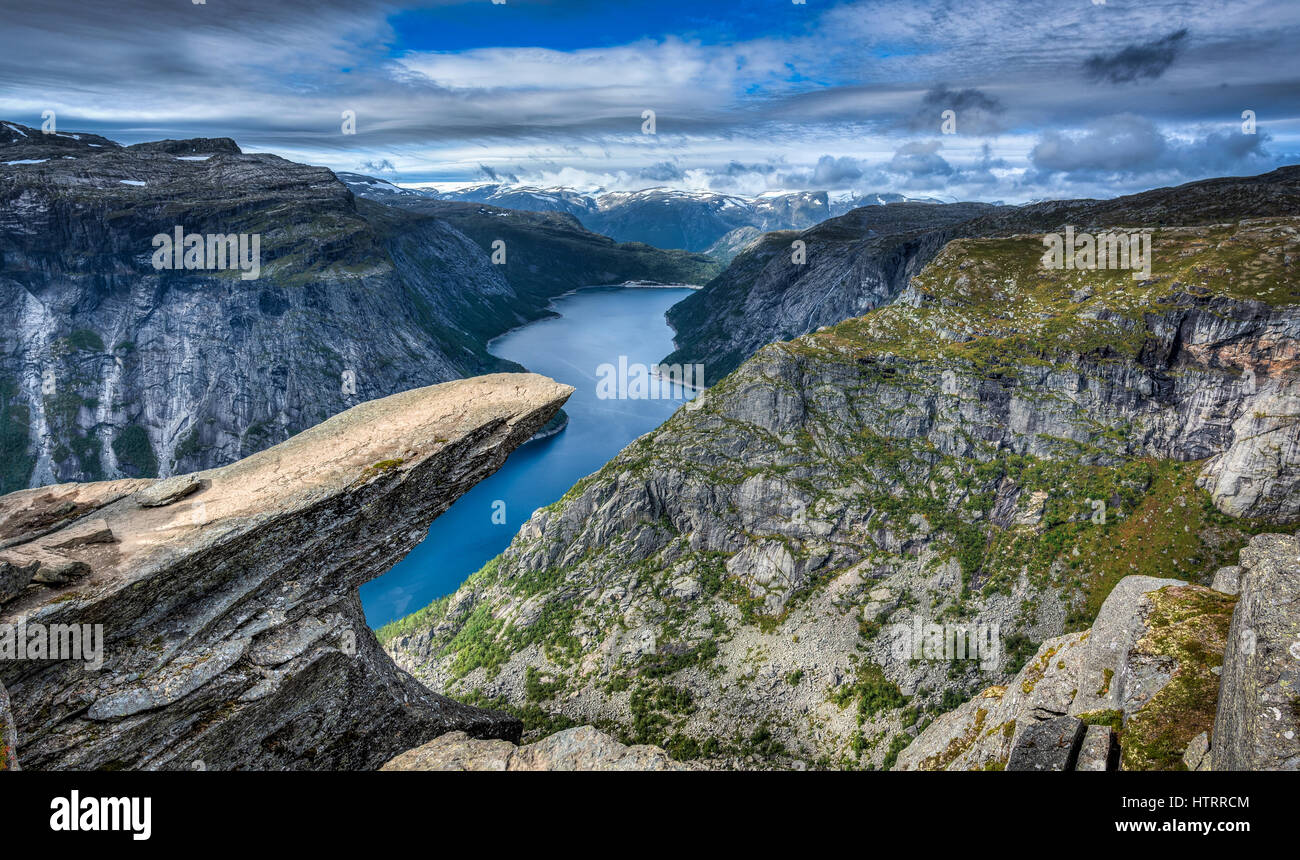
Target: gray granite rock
[1048, 745]
[1257, 725]
[1099, 751]
[1197, 754]
[168, 490]
[1228, 579]
[8, 734]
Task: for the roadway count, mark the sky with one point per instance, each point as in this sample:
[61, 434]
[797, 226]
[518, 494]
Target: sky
[1050, 99]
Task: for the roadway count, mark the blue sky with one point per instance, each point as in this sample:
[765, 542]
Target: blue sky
[588, 23]
[1058, 98]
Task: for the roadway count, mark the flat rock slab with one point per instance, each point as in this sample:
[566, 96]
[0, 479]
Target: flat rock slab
[82, 533]
[168, 490]
[1048, 745]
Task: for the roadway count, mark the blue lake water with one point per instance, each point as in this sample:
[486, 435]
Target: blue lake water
[596, 326]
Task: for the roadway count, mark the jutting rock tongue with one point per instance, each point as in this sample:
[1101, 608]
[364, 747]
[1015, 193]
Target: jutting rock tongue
[232, 632]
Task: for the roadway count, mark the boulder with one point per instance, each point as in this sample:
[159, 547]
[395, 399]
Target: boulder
[1047, 745]
[168, 490]
[1197, 754]
[1257, 725]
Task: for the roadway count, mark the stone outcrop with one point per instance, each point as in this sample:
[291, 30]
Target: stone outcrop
[582, 748]
[1099, 750]
[853, 263]
[1148, 671]
[1258, 722]
[233, 636]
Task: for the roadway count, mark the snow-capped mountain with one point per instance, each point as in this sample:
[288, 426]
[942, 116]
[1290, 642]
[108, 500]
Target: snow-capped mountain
[663, 217]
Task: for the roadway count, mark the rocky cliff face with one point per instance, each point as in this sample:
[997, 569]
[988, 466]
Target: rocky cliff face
[995, 450]
[8, 735]
[110, 368]
[1257, 725]
[865, 258]
[232, 633]
[848, 266]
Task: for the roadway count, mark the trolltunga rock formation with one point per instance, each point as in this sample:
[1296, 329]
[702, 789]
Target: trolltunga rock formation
[233, 633]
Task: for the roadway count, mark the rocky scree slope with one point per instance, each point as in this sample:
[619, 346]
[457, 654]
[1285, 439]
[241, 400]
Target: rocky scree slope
[865, 258]
[999, 447]
[233, 634]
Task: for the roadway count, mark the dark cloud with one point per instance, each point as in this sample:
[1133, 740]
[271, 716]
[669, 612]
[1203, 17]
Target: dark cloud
[1131, 147]
[379, 165]
[976, 112]
[497, 175]
[1148, 60]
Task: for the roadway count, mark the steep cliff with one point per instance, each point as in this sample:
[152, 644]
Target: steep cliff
[863, 259]
[850, 265]
[996, 449]
[549, 253]
[111, 368]
[232, 633]
[8, 736]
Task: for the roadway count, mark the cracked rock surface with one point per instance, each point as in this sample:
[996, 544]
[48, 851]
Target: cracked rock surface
[233, 633]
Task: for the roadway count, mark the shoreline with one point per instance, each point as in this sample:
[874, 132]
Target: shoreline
[550, 312]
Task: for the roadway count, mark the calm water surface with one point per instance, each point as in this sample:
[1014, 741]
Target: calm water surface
[595, 326]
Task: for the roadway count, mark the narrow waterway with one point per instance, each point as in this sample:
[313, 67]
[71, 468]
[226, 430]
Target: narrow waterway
[596, 326]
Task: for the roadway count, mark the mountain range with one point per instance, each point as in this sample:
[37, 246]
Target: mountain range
[663, 217]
